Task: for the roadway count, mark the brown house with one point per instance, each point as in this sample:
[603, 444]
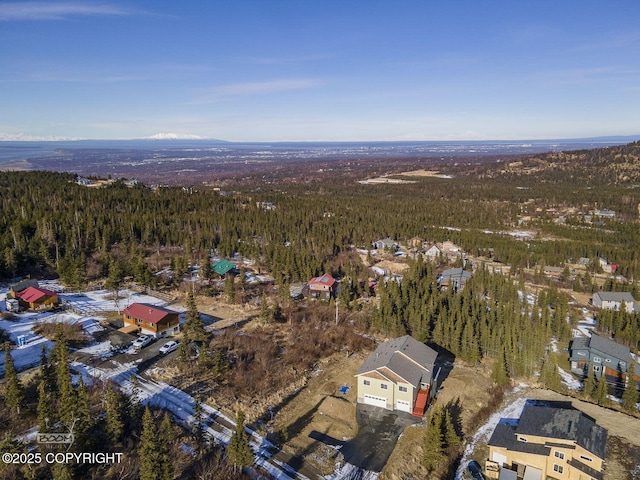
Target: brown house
[36, 298]
[151, 319]
[323, 287]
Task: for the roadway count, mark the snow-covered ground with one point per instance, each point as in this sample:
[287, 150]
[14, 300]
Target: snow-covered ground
[569, 380]
[90, 304]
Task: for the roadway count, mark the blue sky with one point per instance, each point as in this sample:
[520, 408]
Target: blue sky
[296, 70]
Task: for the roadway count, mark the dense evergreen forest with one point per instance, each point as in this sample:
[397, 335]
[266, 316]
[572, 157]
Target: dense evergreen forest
[49, 222]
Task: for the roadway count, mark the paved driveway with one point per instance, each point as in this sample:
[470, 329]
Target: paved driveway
[378, 433]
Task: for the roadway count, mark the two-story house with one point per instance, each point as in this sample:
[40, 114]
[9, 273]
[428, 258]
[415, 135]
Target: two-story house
[152, 319]
[614, 301]
[549, 440]
[453, 278]
[600, 354]
[398, 375]
[323, 287]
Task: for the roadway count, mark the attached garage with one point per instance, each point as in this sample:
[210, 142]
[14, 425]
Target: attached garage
[403, 406]
[375, 401]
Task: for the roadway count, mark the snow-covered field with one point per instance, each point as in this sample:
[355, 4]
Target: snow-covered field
[28, 355]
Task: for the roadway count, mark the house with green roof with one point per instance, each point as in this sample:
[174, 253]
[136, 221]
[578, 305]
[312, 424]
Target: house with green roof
[223, 267]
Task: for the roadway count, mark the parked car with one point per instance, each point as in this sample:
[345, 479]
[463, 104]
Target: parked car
[474, 470]
[169, 347]
[141, 342]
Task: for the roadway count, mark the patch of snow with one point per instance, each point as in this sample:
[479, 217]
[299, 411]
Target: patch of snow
[569, 380]
[100, 349]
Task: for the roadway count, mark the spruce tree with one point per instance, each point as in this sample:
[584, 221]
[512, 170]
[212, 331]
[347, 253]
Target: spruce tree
[630, 397]
[148, 448]
[44, 410]
[229, 289]
[434, 442]
[238, 451]
[600, 393]
[14, 391]
[451, 439]
[589, 384]
[165, 442]
[114, 414]
[193, 328]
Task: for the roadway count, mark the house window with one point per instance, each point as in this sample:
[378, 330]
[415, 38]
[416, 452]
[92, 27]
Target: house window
[366, 382]
[596, 368]
[383, 386]
[582, 354]
[402, 389]
[622, 364]
[558, 468]
[586, 458]
[559, 455]
[597, 359]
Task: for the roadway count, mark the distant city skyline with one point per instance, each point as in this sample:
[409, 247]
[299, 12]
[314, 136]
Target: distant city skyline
[287, 70]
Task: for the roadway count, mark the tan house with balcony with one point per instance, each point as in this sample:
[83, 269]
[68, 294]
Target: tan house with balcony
[549, 440]
[398, 375]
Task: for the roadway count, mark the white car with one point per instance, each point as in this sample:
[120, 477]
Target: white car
[142, 341]
[169, 347]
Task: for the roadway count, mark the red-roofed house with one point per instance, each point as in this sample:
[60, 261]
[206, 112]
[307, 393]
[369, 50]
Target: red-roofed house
[37, 298]
[323, 287]
[151, 319]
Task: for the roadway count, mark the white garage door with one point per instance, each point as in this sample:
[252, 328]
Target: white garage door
[403, 406]
[375, 401]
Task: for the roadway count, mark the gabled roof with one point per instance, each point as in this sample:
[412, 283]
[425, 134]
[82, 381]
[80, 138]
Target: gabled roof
[388, 242]
[23, 285]
[33, 294]
[609, 347]
[563, 423]
[146, 312]
[455, 273]
[325, 279]
[404, 356]
[223, 266]
[615, 297]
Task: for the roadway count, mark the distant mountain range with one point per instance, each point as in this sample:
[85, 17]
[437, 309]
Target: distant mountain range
[19, 137]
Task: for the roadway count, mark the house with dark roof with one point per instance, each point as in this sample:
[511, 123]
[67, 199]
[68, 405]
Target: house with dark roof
[614, 301]
[398, 375]
[601, 355]
[549, 440]
[37, 298]
[16, 288]
[151, 319]
[323, 287]
[453, 278]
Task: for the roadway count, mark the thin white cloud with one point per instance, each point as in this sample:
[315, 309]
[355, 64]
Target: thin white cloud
[13, 11]
[224, 92]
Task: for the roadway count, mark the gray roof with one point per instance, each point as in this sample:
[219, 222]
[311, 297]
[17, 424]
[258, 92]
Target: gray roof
[404, 356]
[23, 285]
[615, 297]
[459, 272]
[609, 347]
[563, 423]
